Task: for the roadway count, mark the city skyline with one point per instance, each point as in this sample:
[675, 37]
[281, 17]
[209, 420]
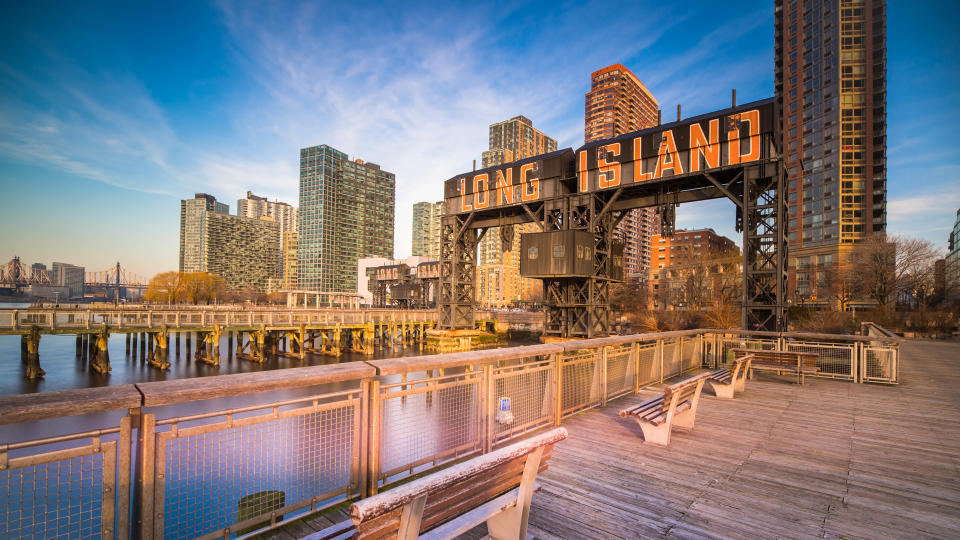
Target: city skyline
[108, 124]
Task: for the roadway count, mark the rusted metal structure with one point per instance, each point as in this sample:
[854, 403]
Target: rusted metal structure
[407, 288]
[732, 153]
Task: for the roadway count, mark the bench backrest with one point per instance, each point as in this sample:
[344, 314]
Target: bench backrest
[683, 390]
[786, 358]
[453, 491]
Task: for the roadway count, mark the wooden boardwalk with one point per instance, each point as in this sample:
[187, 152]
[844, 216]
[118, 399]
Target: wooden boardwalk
[830, 459]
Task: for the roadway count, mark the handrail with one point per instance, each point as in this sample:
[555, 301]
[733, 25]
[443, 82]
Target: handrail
[160, 393]
[38, 406]
[41, 406]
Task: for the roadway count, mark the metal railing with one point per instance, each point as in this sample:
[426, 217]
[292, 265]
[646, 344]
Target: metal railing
[217, 457]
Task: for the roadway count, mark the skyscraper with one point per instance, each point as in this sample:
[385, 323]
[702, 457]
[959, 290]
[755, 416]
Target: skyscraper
[243, 251]
[346, 213]
[619, 103]
[498, 261]
[831, 90]
[426, 229]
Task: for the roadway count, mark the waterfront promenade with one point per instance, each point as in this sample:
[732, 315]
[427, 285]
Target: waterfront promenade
[826, 460]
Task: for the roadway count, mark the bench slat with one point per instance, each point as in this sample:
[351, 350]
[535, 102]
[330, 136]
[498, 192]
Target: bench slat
[471, 519]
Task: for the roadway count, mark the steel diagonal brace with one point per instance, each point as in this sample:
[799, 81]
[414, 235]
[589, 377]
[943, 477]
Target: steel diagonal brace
[724, 189]
[613, 199]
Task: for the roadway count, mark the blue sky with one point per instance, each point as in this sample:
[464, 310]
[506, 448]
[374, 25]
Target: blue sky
[110, 113]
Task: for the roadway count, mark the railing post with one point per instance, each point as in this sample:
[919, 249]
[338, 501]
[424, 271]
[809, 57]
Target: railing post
[857, 361]
[363, 435]
[149, 319]
[660, 356]
[558, 393]
[635, 351]
[376, 425]
[123, 484]
[146, 446]
[603, 376]
[487, 401]
[53, 319]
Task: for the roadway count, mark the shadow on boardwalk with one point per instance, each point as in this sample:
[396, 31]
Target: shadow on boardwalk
[830, 459]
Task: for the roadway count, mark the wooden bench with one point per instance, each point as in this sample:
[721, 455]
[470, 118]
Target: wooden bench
[495, 488]
[676, 407]
[801, 363]
[734, 378]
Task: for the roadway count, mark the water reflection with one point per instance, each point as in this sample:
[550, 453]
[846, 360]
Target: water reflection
[65, 370]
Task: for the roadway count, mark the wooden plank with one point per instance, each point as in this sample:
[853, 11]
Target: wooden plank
[29, 407]
[410, 364]
[218, 386]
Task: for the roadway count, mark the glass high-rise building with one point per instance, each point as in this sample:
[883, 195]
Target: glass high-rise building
[346, 213]
[831, 90]
[426, 229]
[619, 103]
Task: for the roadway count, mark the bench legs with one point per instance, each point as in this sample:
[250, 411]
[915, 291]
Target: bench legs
[659, 435]
[724, 391]
[512, 523]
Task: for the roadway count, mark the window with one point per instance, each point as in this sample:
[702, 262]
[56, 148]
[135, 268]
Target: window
[533, 253]
[558, 251]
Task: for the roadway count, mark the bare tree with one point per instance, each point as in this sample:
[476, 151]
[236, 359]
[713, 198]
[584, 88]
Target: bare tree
[887, 266]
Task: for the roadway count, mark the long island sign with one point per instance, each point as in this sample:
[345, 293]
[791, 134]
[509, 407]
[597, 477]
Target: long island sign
[701, 145]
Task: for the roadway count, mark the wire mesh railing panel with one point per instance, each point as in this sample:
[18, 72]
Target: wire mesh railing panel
[648, 364]
[621, 370]
[835, 360]
[580, 380]
[67, 493]
[689, 353]
[880, 365]
[725, 346]
[529, 393]
[218, 475]
[428, 422]
[672, 366]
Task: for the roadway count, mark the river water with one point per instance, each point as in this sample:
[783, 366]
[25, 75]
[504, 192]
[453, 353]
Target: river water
[65, 370]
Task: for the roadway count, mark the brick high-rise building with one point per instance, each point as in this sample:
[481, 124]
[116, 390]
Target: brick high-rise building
[831, 90]
[515, 139]
[673, 259]
[346, 213]
[498, 260]
[619, 103]
[426, 229]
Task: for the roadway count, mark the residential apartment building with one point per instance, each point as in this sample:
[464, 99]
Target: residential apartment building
[193, 213]
[831, 90]
[289, 251]
[346, 213]
[243, 251]
[286, 215]
[619, 103]
[69, 276]
[426, 229]
[713, 260]
[515, 139]
[952, 263]
[257, 207]
[498, 261]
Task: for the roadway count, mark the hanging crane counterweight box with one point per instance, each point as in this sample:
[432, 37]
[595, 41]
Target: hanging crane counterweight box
[557, 254]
